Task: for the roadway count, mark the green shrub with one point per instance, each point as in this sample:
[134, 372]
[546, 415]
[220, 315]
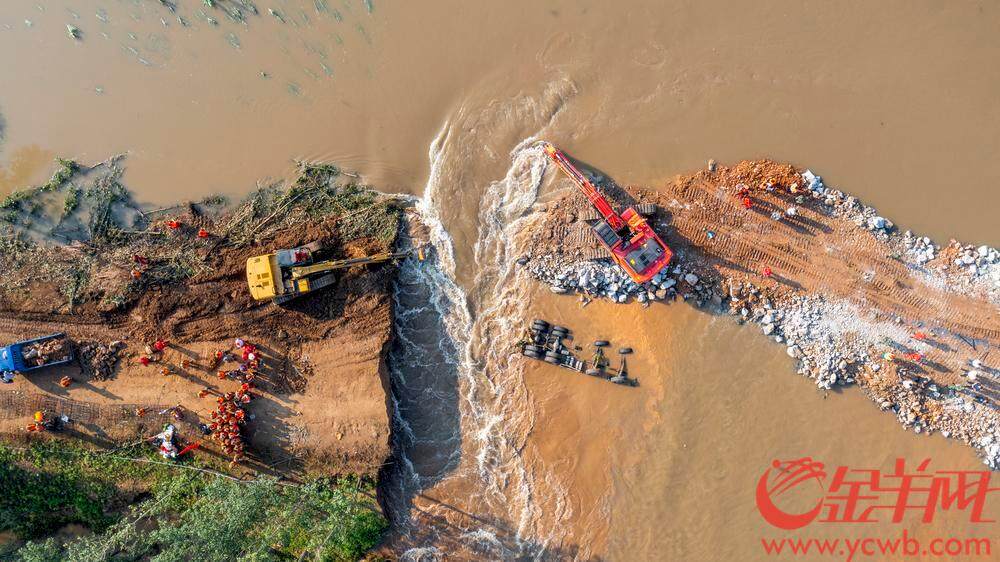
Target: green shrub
[197, 516]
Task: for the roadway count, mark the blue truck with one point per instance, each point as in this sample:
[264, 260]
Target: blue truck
[29, 355]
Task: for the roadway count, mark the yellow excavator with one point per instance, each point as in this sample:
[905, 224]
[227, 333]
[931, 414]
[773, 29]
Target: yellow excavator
[290, 273]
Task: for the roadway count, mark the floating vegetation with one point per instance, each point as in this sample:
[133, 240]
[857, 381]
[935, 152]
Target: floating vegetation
[368, 6]
[105, 193]
[313, 173]
[364, 34]
[236, 15]
[72, 31]
[294, 89]
[314, 48]
[214, 201]
[66, 170]
[71, 202]
[326, 69]
[277, 15]
[233, 40]
[102, 15]
[248, 6]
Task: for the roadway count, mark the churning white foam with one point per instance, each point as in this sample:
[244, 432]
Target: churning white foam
[496, 410]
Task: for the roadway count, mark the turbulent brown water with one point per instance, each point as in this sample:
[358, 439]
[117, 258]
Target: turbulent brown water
[892, 101]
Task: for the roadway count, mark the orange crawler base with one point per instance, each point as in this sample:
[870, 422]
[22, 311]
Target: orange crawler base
[644, 254]
[632, 243]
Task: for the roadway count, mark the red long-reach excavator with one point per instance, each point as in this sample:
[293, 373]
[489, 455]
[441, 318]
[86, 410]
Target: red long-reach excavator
[629, 239]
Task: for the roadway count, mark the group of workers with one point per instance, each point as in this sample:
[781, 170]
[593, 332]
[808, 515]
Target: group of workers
[154, 352]
[743, 194]
[174, 224]
[246, 355]
[141, 263]
[47, 423]
[229, 414]
[227, 420]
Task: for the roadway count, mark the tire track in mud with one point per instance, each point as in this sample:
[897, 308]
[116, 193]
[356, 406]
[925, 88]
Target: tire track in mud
[75, 327]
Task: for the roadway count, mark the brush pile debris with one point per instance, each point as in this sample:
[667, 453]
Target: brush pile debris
[84, 233]
[45, 352]
[99, 361]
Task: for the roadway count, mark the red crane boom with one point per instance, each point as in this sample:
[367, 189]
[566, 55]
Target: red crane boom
[632, 243]
[615, 220]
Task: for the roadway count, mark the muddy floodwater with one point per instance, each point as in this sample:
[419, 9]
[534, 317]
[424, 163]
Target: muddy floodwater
[892, 101]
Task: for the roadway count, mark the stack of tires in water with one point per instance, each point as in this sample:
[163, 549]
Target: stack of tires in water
[546, 342]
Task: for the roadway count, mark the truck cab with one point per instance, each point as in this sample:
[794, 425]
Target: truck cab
[270, 276]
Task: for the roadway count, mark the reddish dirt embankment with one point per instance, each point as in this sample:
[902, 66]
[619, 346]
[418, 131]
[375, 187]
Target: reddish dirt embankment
[320, 403]
[854, 299]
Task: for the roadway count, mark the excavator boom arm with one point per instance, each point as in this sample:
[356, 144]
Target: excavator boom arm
[299, 272]
[588, 189]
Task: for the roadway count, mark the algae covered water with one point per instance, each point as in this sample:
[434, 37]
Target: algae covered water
[497, 459]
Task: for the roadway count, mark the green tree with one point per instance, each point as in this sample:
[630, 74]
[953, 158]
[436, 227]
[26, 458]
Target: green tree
[209, 519]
